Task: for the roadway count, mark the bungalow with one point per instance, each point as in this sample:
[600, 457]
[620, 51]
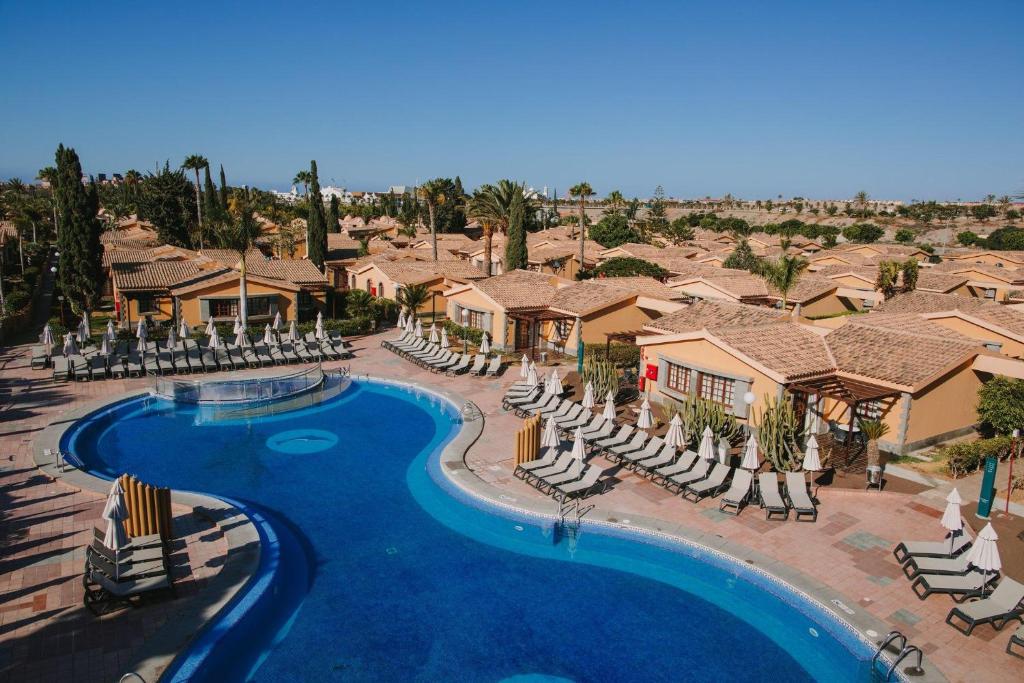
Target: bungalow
[383, 277]
[563, 259]
[1011, 260]
[991, 282]
[721, 351]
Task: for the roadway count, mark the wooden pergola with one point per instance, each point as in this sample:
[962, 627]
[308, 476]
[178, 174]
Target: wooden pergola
[534, 316]
[628, 337]
[852, 392]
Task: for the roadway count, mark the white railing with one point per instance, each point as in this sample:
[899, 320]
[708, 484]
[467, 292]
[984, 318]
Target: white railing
[247, 390]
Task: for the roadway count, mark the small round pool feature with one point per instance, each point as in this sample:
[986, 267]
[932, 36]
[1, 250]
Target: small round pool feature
[299, 441]
[384, 571]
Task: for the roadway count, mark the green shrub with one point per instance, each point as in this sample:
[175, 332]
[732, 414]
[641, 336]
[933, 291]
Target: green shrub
[17, 300]
[458, 332]
[31, 275]
[625, 266]
[1001, 404]
[622, 355]
[964, 458]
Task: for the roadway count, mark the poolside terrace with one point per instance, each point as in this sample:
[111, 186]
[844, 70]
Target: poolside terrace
[45, 632]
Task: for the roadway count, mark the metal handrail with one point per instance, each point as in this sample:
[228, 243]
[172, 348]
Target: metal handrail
[904, 653]
[245, 389]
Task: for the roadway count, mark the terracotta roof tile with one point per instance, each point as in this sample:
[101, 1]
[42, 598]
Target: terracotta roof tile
[894, 355]
[153, 275]
[521, 289]
[787, 348]
[714, 314]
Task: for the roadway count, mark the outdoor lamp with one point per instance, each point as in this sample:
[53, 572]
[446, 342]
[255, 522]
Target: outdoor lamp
[465, 331]
[748, 399]
[53, 269]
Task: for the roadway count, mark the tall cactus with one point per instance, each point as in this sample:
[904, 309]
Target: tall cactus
[697, 413]
[602, 374]
[778, 434]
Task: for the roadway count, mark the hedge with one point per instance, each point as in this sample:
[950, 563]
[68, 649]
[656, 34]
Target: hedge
[622, 355]
[964, 458]
[456, 331]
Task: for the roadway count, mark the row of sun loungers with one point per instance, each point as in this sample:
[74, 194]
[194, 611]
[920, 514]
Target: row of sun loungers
[190, 357]
[941, 567]
[432, 357]
[649, 456]
[560, 476]
[135, 571]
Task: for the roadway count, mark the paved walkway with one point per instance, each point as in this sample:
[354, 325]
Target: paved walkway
[848, 548]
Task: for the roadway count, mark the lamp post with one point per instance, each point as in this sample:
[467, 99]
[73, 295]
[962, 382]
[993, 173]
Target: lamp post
[465, 331]
[748, 399]
[60, 298]
[1009, 480]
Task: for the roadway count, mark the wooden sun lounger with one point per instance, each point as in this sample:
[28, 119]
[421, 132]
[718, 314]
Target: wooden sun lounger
[771, 499]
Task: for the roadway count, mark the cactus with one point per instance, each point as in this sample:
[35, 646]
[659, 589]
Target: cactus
[778, 434]
[602, 374]
[697, 413]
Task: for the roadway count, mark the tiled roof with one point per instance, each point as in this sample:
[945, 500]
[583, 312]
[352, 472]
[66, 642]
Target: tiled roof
[520, 289]
[807, 288]
[409, 271]
[892, 355]
[928, 302]
[787, 348]
[299, 271]
[740, 284]
[642, 285]
[715, 314]
[153, 275]
[909, 322]
[939, 282]
[545, 254]
[588, 296]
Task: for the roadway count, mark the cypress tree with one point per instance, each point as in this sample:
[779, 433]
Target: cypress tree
[223, 190]
[516, 254]
[316, 224]
[211, 202]
[334, 215]
[80, 269]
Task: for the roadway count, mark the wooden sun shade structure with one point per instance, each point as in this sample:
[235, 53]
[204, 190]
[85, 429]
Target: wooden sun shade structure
[533, 317]
[149, 509]
[628, 337]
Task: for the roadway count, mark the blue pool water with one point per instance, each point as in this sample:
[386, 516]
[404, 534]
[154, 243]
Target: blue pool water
[375, 570]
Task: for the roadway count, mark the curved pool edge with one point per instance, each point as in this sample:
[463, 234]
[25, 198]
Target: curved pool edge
[457, 472]
[187, 620]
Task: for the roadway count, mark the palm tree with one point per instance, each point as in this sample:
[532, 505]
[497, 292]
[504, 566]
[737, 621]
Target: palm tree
[303, 178]
[783, 274]
[358, 303]
[240, 236]
[582, 191]
[861, 200]
[432, 193]
[873, 430]
[413, 297]
[492, 206]
[614, 202]
[196, 163]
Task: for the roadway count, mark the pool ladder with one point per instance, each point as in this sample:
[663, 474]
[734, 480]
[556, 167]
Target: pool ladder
[906, 649]
[570, 519]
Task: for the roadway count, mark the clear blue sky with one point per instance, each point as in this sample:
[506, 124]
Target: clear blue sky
[908, 99]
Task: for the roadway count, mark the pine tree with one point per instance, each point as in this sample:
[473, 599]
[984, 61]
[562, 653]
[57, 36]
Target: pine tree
[94, 197]
[742, 258]
[223, 190]
[211, 202]
[316, 224]
[168, 201]
[334, 215]
[80, 270]
[516, 255]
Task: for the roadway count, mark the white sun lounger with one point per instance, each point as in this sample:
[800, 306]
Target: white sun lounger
[677, 482]
[584, 486]
[998, 608]
[711, 485]
[908, 549]
[561, 464]
[739, 492]
[771, 499]
[547, 460]
[650, 449]
[960, 588]
[459, 367]
[494, 367]
[620, 437]
[634, 444]
[666, 456]
[478, 364]
[682, 465]
[798, 497]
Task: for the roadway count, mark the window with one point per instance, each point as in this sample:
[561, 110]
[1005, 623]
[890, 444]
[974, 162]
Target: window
[146, 304]
[223, 308]
[475, 320]
[678, 378]
[259, 305]
[716, 389]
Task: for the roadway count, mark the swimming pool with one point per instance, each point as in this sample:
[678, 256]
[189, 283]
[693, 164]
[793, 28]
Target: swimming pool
[374, 569]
